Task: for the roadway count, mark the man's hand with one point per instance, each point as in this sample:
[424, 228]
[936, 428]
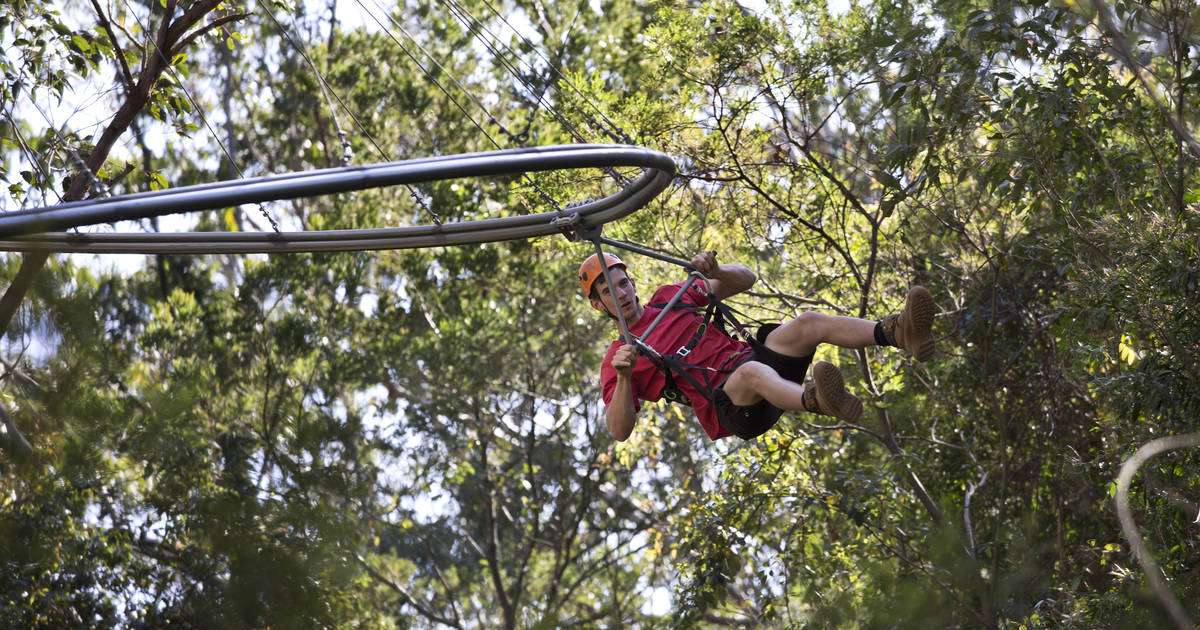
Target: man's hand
[723, 280]
[706, 264]
[623, 360]
[621, 414]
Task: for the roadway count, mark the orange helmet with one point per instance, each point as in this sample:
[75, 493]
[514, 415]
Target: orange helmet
[591, 270]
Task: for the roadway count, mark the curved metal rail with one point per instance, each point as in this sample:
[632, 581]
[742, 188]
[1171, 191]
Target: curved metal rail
[30, 230]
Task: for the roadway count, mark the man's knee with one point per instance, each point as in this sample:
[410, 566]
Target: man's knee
[799, 335]
[812, 321]
[745, 384]
[746, 375]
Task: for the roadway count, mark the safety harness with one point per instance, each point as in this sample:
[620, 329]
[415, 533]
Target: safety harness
[671, 363]
[717, 313]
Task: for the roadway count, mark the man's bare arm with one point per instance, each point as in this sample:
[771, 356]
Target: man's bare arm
[724, 280]
[621, 414]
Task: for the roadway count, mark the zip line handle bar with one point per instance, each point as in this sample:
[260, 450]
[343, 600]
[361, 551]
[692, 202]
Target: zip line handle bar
[646, 252]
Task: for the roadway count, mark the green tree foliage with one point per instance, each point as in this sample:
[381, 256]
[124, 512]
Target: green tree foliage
[890, 147]
[415, 439]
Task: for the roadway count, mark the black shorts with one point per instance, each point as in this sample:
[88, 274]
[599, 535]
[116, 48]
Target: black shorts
[751, 421]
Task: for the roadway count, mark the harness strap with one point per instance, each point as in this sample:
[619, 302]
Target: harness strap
[668, 364]
[670, 390]
[717, 312]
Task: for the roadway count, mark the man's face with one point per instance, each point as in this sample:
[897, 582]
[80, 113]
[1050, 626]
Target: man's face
[626, 296]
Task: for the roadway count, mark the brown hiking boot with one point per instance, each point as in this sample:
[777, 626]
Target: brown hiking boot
[827, 394]
[912, 328]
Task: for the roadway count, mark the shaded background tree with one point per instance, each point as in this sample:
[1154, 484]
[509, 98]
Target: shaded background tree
[414, 438]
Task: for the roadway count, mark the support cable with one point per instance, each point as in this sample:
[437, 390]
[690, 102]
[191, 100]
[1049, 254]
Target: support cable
[171, 70]
[478, 103]
[362, 129]
[474, 25]
[476, 28]
[347, 152]
[616, 134]
[326, 90]
[426, 70]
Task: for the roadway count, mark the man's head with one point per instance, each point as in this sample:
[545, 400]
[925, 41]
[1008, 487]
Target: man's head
[591, 281]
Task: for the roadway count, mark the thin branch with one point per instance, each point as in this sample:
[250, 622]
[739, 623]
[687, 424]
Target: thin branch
[404, 594]
[1154, 574]
[492, 531]
[126, 75]
[15, 441]
[967, 514]
[186, 41]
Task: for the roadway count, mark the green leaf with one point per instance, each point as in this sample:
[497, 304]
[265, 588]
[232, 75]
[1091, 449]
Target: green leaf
[886, 179]
[157, 181]
[887, 206]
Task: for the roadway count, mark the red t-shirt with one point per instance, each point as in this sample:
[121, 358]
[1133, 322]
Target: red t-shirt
[715, 350]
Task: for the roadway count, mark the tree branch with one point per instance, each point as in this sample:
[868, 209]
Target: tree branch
[404, 594]
[153, 65]
[186, 41]
[1129, 527]
[15, 442]
[492, 531]
[105, 24]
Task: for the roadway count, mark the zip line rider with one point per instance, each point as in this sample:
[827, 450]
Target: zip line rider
[734, 387]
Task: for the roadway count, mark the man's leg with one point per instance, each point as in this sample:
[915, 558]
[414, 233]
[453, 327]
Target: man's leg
[800, 337]
[910, 330]
[754, 381]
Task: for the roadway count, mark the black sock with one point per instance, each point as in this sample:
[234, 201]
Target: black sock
[880, 339]
[808, 399]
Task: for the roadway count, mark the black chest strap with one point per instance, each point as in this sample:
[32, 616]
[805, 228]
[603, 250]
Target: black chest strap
[718, 314]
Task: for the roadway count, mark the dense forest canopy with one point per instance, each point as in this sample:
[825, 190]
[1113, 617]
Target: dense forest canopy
[415, 438]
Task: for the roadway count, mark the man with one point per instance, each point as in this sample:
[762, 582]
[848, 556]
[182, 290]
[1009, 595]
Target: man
[735, 387]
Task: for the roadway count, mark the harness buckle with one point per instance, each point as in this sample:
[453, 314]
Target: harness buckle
[683, 352]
